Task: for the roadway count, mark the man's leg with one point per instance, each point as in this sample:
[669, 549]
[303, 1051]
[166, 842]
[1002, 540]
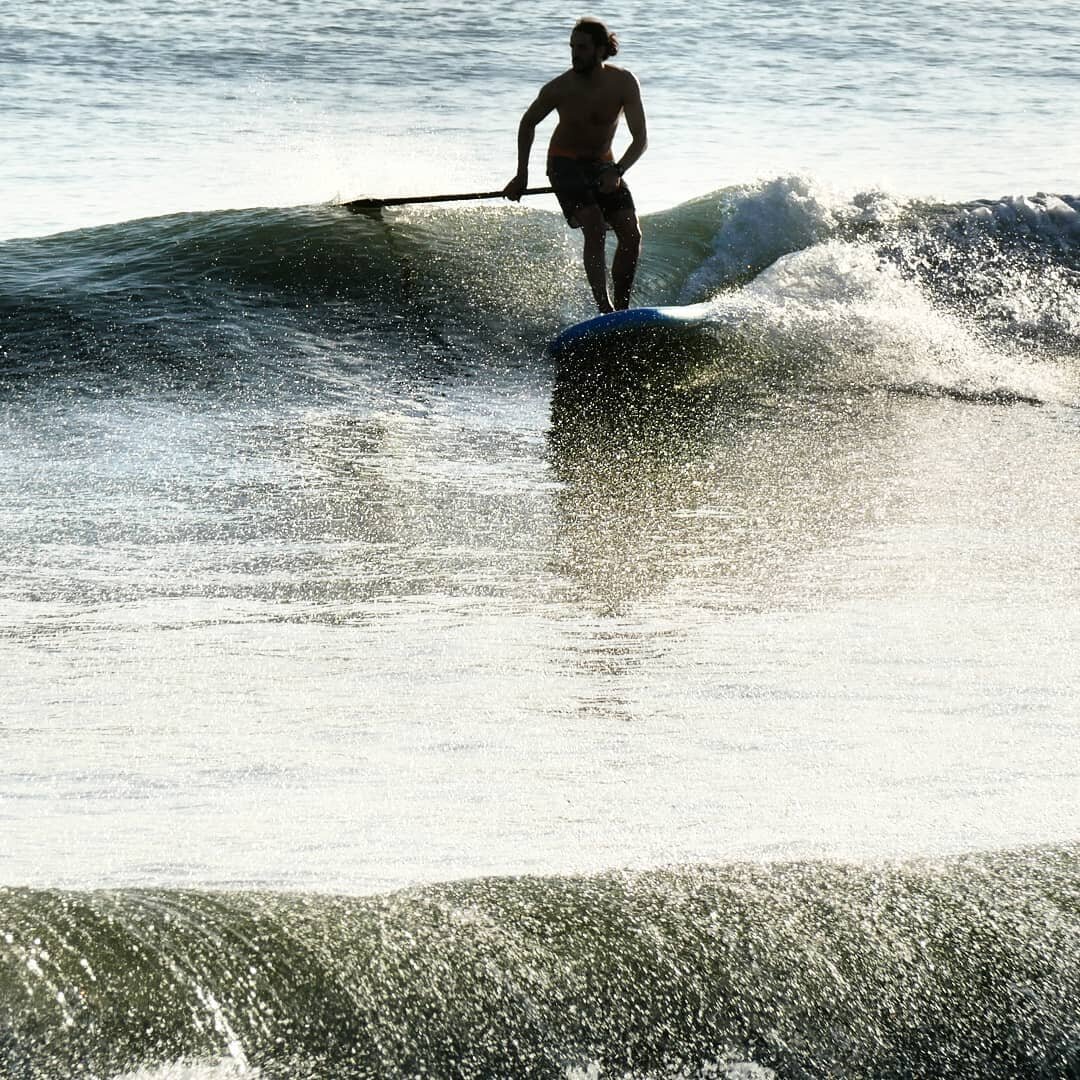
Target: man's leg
[624, 267]
[594, 231]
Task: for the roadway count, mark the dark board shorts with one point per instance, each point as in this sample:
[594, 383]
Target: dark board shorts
[576, 183]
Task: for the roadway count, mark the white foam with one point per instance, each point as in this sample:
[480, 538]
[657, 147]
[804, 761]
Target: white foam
[838, 314]
[774, 218]
[1052, 218]
[194, 1070]
[728, 1070]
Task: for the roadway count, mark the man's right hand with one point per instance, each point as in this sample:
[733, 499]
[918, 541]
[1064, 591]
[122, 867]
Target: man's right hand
[516, 188]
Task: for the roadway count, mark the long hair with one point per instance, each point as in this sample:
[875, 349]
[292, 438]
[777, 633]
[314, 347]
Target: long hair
[602, 37]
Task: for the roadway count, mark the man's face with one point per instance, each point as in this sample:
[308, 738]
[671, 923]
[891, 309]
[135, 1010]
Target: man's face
[584, 55]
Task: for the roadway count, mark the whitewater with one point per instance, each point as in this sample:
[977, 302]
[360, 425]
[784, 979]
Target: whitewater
[383, 697]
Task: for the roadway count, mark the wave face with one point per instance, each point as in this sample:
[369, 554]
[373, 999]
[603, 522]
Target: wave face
[976, 298]
[965, 968]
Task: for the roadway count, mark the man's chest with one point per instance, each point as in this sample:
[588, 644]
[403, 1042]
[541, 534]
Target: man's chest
[594, 107]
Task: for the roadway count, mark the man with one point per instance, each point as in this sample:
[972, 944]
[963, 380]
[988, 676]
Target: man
[589, 99]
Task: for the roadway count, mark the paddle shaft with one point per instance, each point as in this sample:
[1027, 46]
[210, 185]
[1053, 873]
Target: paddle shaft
[359, 205]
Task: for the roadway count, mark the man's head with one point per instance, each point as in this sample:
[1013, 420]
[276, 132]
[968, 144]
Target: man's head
[591, 44]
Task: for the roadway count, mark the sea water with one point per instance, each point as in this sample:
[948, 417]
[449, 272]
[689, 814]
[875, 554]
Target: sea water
[381, 698]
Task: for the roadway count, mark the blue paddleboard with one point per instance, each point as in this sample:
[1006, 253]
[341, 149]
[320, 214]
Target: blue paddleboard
[601, 329]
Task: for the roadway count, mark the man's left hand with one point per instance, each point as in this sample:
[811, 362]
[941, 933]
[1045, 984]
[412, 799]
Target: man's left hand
[609, 181]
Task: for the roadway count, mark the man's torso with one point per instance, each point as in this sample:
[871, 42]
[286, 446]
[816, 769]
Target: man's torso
[589, 110]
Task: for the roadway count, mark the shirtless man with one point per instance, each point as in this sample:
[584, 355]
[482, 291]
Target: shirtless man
[589, 99]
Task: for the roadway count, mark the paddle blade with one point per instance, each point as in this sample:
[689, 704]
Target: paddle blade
[363, 206]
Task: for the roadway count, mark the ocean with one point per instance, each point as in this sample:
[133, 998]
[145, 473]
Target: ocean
[385, 698]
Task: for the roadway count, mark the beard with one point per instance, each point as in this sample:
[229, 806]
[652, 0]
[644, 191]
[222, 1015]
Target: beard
[585, 67]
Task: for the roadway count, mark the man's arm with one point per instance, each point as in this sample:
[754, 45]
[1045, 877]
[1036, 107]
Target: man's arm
[634, 112]
[536, 112]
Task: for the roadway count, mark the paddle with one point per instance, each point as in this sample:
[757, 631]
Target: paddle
[359, 206]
